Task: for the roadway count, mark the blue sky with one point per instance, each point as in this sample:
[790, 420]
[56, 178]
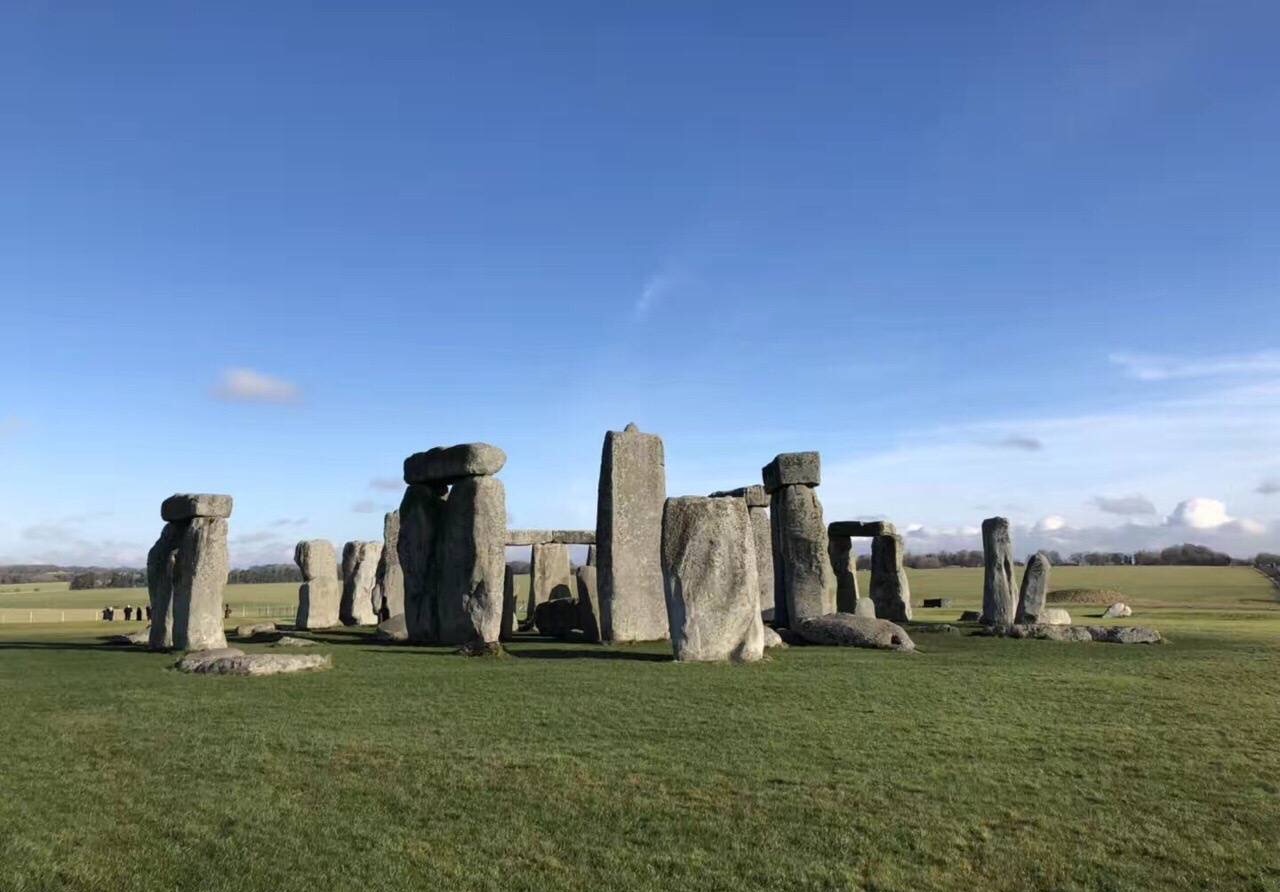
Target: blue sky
[987, 258]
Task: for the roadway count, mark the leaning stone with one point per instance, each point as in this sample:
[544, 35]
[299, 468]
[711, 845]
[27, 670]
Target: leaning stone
[936, 602]
[449, 464]
[359, 576]
[294, 641]
[772, 639]
[589, 603]
[1124, 634]
[792, 469]
[388, 594]
[161, 567]
[250, 630]
[844, 566]
[184, 506]
[393, 629]
[262, 664]
[999, 597]
[861, 529]
[890, 590]
[710, 572]
[847, 630]
[1035, 584]
[755, 494]
[556, 618]
[195, 658]
[1117, 610]
[803, 584]
[633, 488]
[550, 575]
[200, 574]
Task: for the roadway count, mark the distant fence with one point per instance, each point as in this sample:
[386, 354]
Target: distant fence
[34, 615]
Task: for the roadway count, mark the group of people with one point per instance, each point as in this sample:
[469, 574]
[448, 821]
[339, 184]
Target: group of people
[139, 614]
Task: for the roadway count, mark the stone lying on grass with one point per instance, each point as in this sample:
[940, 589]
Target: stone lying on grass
[256, 664]
[481, 648]
[195, 658]
[1118, 609]
[1050, 616]
[142, 637]
[970, 616]
[772, 638]
[393, 629]
[1109, 634]
[848, 630]
[251, 630]
[1125, 634]
[936, 602]
[293, 641]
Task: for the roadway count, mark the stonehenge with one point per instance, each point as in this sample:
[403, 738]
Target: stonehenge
[803, 582]
[453, 530]
[712, 593]
[320, 594]
[999, 597]
[758, 509]
[388, 593]
[186, 571]
[359, 575]
[1035, 585]
[890, 591]
[632, 492]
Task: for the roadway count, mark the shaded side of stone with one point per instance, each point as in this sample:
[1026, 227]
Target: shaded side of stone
[890, 591]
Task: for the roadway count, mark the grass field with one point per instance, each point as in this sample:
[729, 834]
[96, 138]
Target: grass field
[975, 764]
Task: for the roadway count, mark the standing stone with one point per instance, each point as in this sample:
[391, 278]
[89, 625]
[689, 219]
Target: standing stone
[200, 574]
[845, 567]
[633, 488]
[757, 499]
[999, 597]
[359, 573]
[711, 586]
[508, 627]
[161, 560]
[803, 584]
[550, 575]
[589, 603]
[890, 591]
[421, 513]
[320, 594]
[1035, 585]
[471, 563]
[591, 555]
[389, 595]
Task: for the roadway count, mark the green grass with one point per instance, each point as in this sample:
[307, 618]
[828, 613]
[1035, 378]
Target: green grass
[976, 764]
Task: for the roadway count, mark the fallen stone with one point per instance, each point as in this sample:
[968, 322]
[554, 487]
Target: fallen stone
[194, 658]
[260, 664]
[449, 464]
[200, 574]
[1035, 585]
[393, 629]
[1125, 634]
[847, 630]
[589, 603]
[936, 628]
[294, 641]
[803, 584]
[999, 597]
[772, 639]
[1041, 631]
[710, 572]
[936, 602]
[755, 494]
[633, 489]
[1118, 610]
[890, 590]
[185, 506]
[970, 616]
[551, 537]
[556, 618]
[792, 469]
[861, 529]
[250, 630]
[133, 638]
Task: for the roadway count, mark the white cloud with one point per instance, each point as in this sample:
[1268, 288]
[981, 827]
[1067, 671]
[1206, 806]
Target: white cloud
[1053, 523]
[240, 385]
[1124, 505]
[1210, 514]
[1151, 367]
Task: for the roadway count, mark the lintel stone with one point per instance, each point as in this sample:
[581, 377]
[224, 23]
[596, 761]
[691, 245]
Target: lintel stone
[792, 469]
[551, 537]
[447, 464]
[184, 506]
[861, 529]
[755, 495]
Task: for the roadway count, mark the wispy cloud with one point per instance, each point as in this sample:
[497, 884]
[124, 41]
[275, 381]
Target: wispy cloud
[241, 385]
[656, 287]
[365, 506]
[1124, 505]
[289, 522]
[387, 484]
[1153, 367]
[1021, 442]
[1269, 487]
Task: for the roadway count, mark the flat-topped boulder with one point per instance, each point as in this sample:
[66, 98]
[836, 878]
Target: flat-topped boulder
[258, 664]
[848, 630]
[551, 537]
[792, 469]
[449, 464]
[755, 494]
[861, 529]
[184, 506]
[252, 630]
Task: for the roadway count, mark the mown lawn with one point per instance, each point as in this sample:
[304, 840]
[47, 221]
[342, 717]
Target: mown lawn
[974, 764]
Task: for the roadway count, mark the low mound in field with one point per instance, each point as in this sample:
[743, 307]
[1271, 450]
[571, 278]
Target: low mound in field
[1100, 596]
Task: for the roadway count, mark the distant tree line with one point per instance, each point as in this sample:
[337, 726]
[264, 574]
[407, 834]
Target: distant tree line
[265, 573]
[89, 579]
[1185, 555]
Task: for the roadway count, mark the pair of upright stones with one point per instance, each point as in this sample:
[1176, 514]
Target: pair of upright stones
[324, 598]
[1002, 603]
[451, 544]
[890, 595]
[186, 572]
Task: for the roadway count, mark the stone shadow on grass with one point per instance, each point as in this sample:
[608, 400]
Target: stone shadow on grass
[562, 653]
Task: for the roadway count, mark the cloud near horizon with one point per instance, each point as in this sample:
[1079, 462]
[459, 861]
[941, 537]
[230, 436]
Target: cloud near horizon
[242, 385]
[1021, 442]
[1128, 506]
[1152, 367]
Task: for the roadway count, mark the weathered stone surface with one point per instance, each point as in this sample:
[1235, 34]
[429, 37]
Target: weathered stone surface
[318, 601]
[936, 602]
[763, 534]
[803, 584]
[184, 506]
[712, 589]
[847, 630]
[591, 556]
[142, 636]
[449, 464]
[589, 603]
[1118, 609]
[556, 618]
[195, 658]
[388, 595]
[161, 567]
[517, 538]
[200, 574]
[844, 566]
[1035, 584]
[792, 469]
[755, 494]
[453, 554]
[771, 638]
[251, 630]
[550, 575]
[359, 577]
[1051, 616]
[890, 590]
[999, 595]
[479, 648]
[294, 641]
[261, 664]
[507, 628]
[316, 558]
[865, 607]
[1125, 635]
[1041, 631]
[393, 629]
[633, 488]
[861, 529]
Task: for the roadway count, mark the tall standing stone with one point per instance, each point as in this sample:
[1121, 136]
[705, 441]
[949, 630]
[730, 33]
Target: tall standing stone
[591, 555]
[389, 597]
[359, 574]
[633, 488]
[712, 593]
[421, 518]
[845, 567]
[320, 594]
[1035, 586]
[757, 500]
[161, 562]
[804, 584]
[550, 574]
[890, 591]
[999, 597]
[200, 574]
[508, 626]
